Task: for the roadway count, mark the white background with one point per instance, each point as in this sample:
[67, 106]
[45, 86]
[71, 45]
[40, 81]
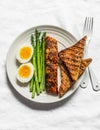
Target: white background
[80, 111]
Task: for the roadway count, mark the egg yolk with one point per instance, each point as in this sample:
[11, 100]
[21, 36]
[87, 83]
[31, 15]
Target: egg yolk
[24, 71]
[25, 52]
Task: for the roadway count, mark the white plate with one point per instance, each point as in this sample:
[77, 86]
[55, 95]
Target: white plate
[64, 38]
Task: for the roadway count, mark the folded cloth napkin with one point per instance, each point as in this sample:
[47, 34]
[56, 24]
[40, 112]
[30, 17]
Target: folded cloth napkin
[79, 111]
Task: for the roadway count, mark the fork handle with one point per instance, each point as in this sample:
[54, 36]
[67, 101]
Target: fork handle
[94, 82]
[84, 83]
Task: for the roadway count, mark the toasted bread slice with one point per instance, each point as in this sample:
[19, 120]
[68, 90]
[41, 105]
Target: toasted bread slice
[72, 57]
[84, 64]
[66, 81]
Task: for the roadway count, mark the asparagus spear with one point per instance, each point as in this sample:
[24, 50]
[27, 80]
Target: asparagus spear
[32, 80]
[38, 54]
[33, 92]
[39, 61]
[35, 72]
[41, 53]
[32, 41]
[42, 85]
[44, 61]
[31, 84]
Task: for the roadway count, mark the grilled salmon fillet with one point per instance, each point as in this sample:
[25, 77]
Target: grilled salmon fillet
[72, 57]
[51, 66]
[66, 80]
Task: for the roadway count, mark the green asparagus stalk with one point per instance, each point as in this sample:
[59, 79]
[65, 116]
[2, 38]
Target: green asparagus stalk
[38, 54]
[31, 84]
[33, 92]
[32, 80]
[44, 61]
[42, 85]
[35, 72]
[41, 57]
[39, 61]
[32, 41]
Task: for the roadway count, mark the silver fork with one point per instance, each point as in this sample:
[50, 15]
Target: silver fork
[88, 30]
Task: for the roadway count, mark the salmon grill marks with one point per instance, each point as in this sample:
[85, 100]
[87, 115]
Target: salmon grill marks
[66, 81]
[72, 57]
[51, 73]
[51, 50]
[51, 66]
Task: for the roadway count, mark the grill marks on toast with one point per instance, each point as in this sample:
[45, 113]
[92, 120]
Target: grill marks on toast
[51, 66]
[84, 64]
[72, 57]
[66, 81]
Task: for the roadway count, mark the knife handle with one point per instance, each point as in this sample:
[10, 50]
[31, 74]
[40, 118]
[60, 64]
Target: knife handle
[94, 82]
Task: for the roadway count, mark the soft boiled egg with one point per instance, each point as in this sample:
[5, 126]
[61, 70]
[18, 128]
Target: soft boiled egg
[25, 72]
[24, 53]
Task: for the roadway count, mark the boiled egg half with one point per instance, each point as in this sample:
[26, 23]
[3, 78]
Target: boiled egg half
[25, 72]
[24, 53]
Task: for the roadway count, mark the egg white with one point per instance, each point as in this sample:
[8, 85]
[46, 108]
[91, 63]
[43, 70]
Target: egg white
[25, 80]
[21, 60]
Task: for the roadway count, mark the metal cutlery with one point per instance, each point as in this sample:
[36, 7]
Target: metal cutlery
[88, 30]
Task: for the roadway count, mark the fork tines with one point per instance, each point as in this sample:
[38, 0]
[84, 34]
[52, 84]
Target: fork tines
[88, 26]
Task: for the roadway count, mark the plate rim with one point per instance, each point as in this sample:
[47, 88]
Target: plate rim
[32, 28]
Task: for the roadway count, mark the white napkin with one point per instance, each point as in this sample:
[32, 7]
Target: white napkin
[81, 110]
